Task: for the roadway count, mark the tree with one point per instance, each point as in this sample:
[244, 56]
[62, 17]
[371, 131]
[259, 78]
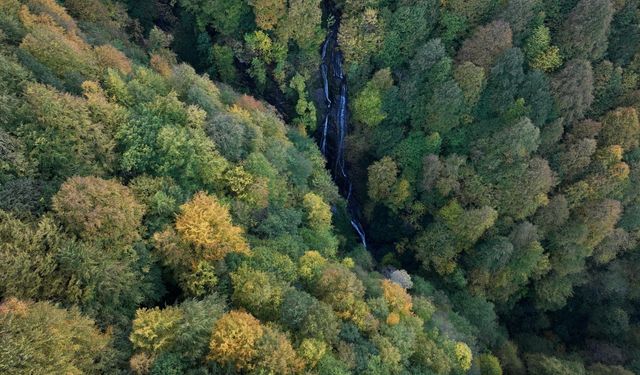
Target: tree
[396, 297]
[573, 160]
[60, 136]
[540, 364]
[600, 369]
[308, 317]
[302, 23]
[470, 12]
[99, 210]
[224, 63]
[509, 359]
[463, 355]
[367, 105]
[600, 219]
[53, 41]
[154, 330]
[501, 267]
[360, 36]
[610, 87]
[583, 34]
[432, 354]
[486, 44]
[182, 331]
[454, 231]
[205, 225]
[624, 37]
[539, 51]
[228, 17]
[318, 212]
[410, 150]
[471, 79]
[234, 340]
[509, 146]
[489, 365]
[519, 13]
[27, 268]
[41, 262]
[268, 12]
[384, 185]
[275, 354]
[537, 97]
[572, 88]
[505, 77]
[305, 108]
[166, 138]
[406, 28]
[523, 188]
[344, 292]
[39, 337]
[444, 109]
[257, 291]
[620, 127]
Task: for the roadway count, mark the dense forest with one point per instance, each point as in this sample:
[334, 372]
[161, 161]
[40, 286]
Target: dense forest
[168, 204]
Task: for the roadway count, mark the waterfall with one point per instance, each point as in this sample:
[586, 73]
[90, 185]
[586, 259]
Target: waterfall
[334, 127]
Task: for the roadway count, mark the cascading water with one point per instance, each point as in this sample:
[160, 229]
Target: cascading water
[334, 126]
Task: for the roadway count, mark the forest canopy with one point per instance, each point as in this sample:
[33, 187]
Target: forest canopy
[165, 207]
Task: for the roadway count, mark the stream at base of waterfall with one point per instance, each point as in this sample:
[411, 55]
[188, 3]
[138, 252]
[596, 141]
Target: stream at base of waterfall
[333, 129]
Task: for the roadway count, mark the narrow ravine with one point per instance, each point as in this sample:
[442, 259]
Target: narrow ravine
[334, 126]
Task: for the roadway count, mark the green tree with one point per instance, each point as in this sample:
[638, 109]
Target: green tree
[583, 34]
[27, 267]
[539, 51]
[302, 23]
[572, 88]
[489, 365]
[257, 291]
[624, 37]
[228, 17]
[384, 185]
[60, 136]
[367, 105]
[360, 36]
[454, 231]
[504, 79]
[406, 28]
[167, 138]
[305, 109]
[223, 62]
[540, 364]
[39, 337]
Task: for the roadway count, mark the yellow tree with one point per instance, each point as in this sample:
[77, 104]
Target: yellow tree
[206, 224]
[318, 211]
[234, 340]
[203, 234]
[397, 298]
[155, 329]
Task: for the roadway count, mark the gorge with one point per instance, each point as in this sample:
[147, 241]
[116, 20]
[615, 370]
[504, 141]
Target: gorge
[334, 126]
